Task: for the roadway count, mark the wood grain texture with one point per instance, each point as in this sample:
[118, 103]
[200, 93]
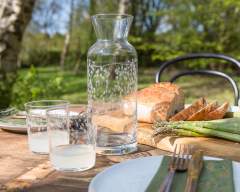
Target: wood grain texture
[210, 146]
[32, 176]
[22, 170]
[15, 157]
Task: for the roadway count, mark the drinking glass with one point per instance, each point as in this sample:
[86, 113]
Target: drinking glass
[37, 123]
[112, 84]
[71, 140]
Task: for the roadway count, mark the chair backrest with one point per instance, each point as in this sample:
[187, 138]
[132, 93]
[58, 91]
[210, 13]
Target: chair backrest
[202, 72]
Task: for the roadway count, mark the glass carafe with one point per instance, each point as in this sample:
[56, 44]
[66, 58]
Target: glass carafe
[112, 84]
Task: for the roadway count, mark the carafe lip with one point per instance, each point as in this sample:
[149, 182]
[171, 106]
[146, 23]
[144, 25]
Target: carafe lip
[111, 16]
[111, 26]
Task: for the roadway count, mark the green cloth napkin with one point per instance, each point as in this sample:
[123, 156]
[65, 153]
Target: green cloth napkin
[216, 176]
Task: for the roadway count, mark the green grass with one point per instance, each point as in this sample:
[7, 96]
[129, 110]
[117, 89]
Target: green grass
[194, 87]
[75, 86]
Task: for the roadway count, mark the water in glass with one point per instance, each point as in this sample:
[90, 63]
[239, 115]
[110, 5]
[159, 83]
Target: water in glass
[37, 123]
[72, 143]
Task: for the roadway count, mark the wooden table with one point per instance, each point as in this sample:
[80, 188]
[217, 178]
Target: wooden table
[21, 170]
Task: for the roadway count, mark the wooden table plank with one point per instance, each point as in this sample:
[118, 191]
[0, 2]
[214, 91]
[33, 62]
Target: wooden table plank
[80, 181]
[22, 170]
[210, 146]
[15, 158]
[32, 176]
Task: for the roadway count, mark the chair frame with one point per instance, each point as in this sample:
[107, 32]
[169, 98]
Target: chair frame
[202, 72]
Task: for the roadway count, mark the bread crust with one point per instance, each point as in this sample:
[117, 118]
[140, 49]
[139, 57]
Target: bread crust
[203, 113]
[218, 113]
[189, 111]
[158, 102]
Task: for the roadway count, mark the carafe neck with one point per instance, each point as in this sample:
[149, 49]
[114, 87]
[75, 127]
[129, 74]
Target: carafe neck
[111, 27]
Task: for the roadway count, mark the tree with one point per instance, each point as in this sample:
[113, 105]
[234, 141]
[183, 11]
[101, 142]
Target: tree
[124, 6]
[198, 26]
[146, 16]
[14, 17]
[67, 36]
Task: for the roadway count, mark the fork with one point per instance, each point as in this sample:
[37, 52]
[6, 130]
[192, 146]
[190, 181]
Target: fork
[179, 163]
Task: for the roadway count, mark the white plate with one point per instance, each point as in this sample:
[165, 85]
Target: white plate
[15, 129]
[14, 126]
[234, 109]
[135, 175]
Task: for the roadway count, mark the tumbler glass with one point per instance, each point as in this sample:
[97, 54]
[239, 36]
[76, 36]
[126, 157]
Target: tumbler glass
[71, 140]
[37, 123]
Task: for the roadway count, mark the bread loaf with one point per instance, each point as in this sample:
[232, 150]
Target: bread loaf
[158, 102]
[218, 113]
[202, 114]
[189, 111]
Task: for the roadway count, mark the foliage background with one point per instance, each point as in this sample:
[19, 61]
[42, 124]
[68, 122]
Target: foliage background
[161, 30]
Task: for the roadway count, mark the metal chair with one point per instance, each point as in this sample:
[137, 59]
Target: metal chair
[202, 72]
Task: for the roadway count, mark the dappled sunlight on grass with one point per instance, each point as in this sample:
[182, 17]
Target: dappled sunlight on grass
[194, 86]
[79, 97]
[75, 86]
[211, 88]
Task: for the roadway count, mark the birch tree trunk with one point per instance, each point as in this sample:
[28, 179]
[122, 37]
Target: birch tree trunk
[67, 37]
[123, 7]
[14, 17]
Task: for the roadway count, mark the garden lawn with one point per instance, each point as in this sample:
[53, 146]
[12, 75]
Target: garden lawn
[74, 86]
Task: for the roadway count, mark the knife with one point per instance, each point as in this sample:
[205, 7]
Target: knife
[194, 171]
